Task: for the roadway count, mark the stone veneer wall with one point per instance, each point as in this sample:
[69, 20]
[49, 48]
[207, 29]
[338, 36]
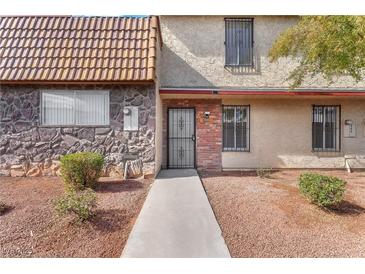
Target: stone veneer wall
[208, 131]
[28, 149]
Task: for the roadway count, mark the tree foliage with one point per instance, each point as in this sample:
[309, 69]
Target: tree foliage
[327, 45]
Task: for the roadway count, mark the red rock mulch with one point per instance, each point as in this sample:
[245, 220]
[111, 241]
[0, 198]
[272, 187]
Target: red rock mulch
[269, 218]
[30, 228]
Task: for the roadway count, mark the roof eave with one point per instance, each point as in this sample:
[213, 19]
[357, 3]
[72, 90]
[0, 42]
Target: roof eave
[75, 82]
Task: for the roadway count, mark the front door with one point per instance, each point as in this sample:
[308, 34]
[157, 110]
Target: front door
[181, 138]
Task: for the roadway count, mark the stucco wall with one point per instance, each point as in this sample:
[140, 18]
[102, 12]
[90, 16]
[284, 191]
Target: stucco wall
[158, 134]
[281, 134]
[158, 131]
[27, 148]
[193, 55]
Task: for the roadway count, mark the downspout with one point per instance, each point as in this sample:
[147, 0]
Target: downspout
[347, 162]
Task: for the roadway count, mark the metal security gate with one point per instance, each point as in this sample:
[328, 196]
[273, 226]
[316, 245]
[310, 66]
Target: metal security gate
[181, 138]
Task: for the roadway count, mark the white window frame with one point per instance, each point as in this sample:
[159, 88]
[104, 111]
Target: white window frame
[248, 129]
[74, 124]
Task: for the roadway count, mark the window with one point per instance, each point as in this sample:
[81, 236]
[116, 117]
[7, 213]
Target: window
[326, 128]
[239, 42]
[75, 108]
[236, 128]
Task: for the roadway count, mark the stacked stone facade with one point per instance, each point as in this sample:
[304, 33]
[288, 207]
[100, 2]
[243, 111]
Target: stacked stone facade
[29, 149]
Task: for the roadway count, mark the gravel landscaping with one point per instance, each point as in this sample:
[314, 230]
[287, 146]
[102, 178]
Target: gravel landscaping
[30, 227]
[267, 217]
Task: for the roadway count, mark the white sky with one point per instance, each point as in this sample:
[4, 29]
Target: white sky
[158, 7]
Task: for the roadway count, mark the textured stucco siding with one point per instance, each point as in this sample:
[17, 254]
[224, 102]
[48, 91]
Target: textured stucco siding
[158, 131]
[281, 134]
[193, 55]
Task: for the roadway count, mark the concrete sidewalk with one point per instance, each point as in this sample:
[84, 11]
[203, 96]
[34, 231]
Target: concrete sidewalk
[176, 221]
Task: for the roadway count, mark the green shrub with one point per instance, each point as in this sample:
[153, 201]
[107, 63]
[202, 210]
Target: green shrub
[325, 191]
[81, 170]
[264, 172]
[3, 207]
[79, 203]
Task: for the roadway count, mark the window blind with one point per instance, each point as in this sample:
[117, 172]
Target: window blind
[75, 108]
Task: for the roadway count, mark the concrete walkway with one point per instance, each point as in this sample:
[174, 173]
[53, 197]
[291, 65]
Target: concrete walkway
[176, 221]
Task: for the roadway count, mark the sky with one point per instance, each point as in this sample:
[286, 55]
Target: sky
[168, 7]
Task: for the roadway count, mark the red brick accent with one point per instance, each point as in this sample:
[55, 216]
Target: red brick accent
[208, 131]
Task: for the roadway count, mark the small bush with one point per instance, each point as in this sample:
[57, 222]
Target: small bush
[3, 207]
[80, 203]
[325, 191]
[264, 172]
[81, 170]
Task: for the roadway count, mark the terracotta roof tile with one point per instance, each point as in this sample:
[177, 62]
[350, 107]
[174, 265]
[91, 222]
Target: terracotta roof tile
[66, 48]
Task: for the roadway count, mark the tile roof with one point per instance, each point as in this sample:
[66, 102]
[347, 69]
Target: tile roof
[77, 49]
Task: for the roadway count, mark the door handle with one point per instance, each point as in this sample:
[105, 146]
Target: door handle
[193, 137]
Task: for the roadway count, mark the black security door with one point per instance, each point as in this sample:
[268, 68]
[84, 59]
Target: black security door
[181, 138]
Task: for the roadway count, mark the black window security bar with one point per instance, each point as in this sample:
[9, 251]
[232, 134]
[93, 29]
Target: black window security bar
[236, 128]
[239, 41]
[326, 131]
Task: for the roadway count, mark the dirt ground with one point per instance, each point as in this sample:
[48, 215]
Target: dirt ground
[269, 218]
[31, 228]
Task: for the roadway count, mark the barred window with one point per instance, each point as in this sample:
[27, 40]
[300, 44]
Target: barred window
[236, 127]
[326, 128]
[239, 41]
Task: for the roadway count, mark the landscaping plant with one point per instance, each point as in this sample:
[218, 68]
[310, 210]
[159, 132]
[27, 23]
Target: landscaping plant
[264, 172]
[325, 191]
[3, 207]
[81, 170]
[329, 46]
[80, 203]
